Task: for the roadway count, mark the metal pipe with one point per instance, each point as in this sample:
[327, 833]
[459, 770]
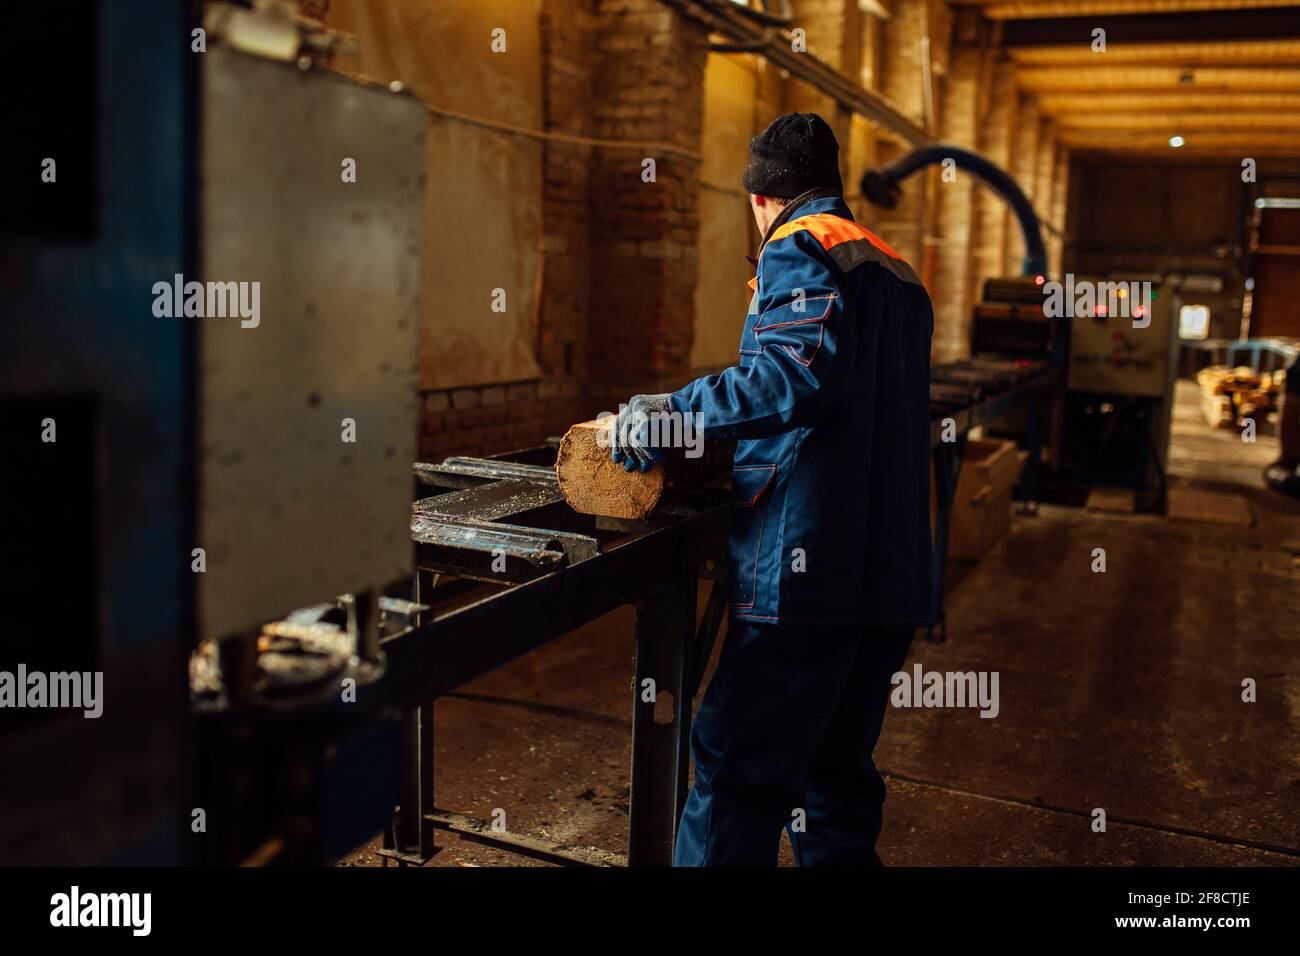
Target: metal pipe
[744, 34]
[881, 188]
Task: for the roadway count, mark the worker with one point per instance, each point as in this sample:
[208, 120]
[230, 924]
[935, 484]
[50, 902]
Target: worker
[830, 524]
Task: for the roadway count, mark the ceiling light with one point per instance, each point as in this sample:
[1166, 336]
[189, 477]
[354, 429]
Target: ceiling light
[1176, 141]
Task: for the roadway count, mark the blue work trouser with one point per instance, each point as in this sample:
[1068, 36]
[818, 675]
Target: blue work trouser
[788, 724]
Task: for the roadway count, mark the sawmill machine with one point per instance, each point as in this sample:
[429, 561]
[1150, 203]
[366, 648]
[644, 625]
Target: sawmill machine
[222, 518]
[1110, 339]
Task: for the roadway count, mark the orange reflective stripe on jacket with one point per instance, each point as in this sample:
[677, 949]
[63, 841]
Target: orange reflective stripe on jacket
[831, 230]
[848, 244]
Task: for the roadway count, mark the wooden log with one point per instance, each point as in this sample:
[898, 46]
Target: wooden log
[593, 484]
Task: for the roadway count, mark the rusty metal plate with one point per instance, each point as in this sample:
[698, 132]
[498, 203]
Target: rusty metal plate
[291, 512]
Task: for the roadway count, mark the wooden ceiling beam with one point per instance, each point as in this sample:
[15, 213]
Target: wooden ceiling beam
[1178, 122]
[1222, 74]
[1233, 142]
[1066, 9]
[1260, 24]
[1172, 101]
[1162, 153]
[1044, 79]
[1198, 54]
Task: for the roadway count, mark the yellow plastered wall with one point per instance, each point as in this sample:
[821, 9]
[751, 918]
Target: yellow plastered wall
[483, 195]
[727, 231]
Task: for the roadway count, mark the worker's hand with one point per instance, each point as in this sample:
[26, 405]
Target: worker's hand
[631, 435]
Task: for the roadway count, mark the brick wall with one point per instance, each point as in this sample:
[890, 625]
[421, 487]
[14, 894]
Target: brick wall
[997, 142]
[958, 223]
[1024, 168]
[834, 34]
[615, 312]
[499, 416]
[1060, 196]
[1045, 175]
[643, 234]
[900, 81]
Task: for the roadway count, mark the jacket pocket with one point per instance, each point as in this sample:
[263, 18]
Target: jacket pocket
[786, 326]
[750, 497]
[798, 311]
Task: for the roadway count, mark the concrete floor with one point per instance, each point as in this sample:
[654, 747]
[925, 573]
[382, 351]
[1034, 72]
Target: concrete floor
[1119, 690]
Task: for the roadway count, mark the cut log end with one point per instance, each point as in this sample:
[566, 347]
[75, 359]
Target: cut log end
[594, 484]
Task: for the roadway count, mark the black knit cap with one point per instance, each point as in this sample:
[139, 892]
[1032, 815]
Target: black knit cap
[796, 153]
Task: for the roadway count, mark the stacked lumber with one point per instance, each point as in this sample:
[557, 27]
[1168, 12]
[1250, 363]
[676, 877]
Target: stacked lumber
[1229, 395]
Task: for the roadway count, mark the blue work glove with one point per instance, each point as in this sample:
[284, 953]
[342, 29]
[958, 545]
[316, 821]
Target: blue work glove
[630, 439]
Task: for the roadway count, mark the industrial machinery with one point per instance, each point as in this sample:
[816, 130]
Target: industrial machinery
[311, 728]
[505, 566]
[1123, 361]
[1109, 344]
[306, 432]
[231, 489]
[1010, 385]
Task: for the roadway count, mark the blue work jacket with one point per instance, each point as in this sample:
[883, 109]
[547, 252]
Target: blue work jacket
[830, 406]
